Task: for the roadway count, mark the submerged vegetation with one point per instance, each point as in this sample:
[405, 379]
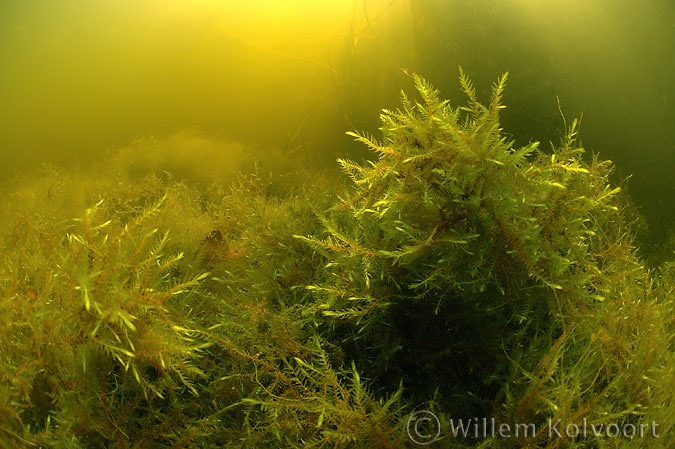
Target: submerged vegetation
[454, 274]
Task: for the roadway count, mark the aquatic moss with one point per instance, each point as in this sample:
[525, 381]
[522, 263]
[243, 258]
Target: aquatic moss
[455, 273]
[496, 281]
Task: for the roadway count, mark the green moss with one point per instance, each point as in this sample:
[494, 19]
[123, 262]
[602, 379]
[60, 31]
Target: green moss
[498, 281]
[455, 273]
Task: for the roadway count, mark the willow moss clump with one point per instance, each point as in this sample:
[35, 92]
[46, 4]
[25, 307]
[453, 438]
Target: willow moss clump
[457, 274]
[151, 313]
[495, 281]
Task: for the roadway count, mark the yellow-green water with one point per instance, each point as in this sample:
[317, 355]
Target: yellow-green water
[79, 78]
[183, 264]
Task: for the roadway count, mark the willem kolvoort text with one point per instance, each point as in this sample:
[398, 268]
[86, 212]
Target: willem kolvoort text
[490, 428]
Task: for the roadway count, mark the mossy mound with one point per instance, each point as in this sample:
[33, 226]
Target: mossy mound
[457, 274]
[494, 281]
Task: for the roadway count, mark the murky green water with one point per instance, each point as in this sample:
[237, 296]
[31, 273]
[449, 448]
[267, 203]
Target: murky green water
[184, 264]
[78, 78]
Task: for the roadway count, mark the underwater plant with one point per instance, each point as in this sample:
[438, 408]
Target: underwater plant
[104, 325]
[496, 281]
[455, 273]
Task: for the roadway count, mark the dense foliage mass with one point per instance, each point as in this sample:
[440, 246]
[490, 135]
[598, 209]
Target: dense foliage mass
[455, 274]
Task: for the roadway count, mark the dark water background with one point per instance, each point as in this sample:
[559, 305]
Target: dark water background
[204, 82]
